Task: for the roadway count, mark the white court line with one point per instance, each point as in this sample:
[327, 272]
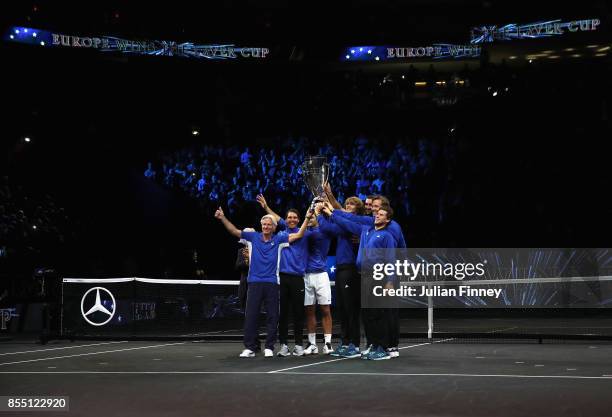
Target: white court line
[604, 377]
[215, 332]
[451, 375]
[59, 348]
[341, 359]
[308, 364]
[89, 354]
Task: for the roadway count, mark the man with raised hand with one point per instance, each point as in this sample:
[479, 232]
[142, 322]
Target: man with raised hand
[263, 278]
[292, 269]
[396, 231]
[348, 287]
[379, 321]
[318, 287]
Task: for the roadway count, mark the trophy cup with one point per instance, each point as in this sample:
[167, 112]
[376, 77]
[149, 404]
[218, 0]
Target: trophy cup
[315, 172]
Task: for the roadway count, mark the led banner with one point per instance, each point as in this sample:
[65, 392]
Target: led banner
[386, 53]
[138, 47]
[512, 31]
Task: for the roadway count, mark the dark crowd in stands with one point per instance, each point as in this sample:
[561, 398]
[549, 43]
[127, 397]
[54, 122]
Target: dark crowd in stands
[30, 223]
[418, 175]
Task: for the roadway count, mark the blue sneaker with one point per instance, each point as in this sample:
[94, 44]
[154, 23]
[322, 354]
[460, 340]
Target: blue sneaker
[379, 354]
[351, 352]
[339, 351]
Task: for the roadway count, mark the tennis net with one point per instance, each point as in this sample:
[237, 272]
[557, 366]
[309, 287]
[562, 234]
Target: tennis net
[173, 309]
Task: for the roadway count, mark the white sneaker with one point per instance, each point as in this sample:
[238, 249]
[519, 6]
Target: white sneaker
[268, 353]
[327, 348]
[393, 352]
[247, 353]
[311, 350]
[284, 351]
[298, 350]
[364, 353]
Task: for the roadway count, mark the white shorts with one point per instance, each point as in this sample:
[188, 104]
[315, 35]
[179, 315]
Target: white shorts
[317, 288]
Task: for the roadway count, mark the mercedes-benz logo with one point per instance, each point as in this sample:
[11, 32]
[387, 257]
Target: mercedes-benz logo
[98, 306]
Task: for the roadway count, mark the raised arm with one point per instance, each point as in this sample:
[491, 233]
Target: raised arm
[325, 225]
[219, 215]
[363, 220]
[331, 197]
[344, 224]
[264, 204]
[300, 233]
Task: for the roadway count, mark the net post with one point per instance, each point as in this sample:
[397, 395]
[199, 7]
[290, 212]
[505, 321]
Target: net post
[62, 311]
[429, 316]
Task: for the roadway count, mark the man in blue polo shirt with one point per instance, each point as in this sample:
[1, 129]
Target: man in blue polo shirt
[317, 287]
[395, 230]
[347, 283]
[292, 269]
[378, 236]
[263, 278]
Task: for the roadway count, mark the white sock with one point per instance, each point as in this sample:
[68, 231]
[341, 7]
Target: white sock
[312, 338]
[328, 338]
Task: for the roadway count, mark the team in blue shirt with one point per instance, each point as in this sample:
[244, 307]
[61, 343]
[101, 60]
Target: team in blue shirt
[288, 270]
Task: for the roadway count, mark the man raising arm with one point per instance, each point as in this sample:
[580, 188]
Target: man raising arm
[263, 277]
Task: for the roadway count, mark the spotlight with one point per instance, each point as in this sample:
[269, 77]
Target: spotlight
[34, 34]
[348, 57]
[42, 43]
[352, 51]
[27, 139]
[360, 49]
[530, 61]
[195, 132]
[495, 93]
[369, 51]
[12, 36]
[34, 227]
[17, 31]
[25, 31]
[377, 58]
[403, 76]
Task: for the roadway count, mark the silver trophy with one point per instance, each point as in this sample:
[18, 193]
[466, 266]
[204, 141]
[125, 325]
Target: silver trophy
[315, 172]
